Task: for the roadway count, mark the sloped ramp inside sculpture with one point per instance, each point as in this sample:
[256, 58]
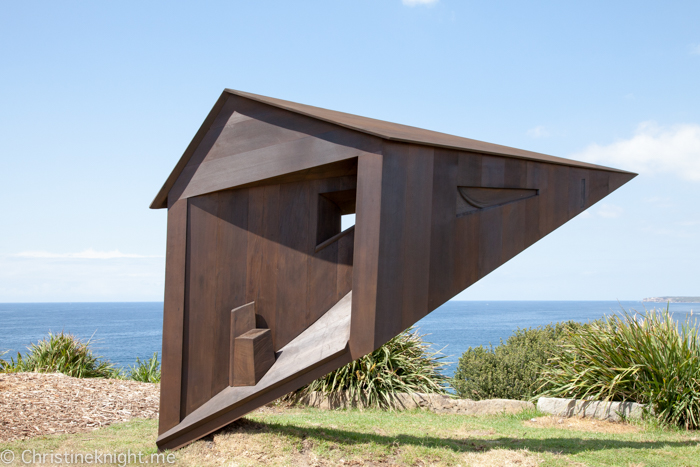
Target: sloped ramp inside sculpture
[321, 348]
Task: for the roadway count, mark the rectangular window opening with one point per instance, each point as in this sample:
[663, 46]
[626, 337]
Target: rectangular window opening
[347, 221]
[336, 215]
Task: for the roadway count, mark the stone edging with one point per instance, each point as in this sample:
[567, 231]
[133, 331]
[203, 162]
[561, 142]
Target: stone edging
[440, 403]
[611, 411]
[437, 403]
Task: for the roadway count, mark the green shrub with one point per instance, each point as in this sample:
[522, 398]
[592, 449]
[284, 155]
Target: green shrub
[510, 370]
[62, 353]
[147, 371]
[402, 365]
[4, 365]
[649, 359]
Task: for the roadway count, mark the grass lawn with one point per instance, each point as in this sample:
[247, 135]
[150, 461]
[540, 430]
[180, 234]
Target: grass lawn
[275, 436]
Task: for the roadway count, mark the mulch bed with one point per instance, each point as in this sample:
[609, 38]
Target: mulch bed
[37, 404]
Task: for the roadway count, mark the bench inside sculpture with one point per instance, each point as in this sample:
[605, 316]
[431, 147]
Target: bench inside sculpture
[254, 226]
[252, 353]
[254, 356]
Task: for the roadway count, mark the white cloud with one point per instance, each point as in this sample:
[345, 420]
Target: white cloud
[610, 211]
[419, 2]
[85, 254]
[669, 232]
[50, 277]
[606, 211]
[653, 149]
[694, 49]
[538, 132]
[663, 202]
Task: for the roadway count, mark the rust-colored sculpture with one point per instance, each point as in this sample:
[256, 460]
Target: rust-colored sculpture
[264, 293]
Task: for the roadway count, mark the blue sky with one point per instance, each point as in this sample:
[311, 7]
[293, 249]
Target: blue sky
[98, 100]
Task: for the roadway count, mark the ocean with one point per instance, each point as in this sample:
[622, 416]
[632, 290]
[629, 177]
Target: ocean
[123, 331]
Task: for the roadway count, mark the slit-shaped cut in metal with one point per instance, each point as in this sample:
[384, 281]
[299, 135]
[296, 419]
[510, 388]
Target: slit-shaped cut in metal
[474, 198]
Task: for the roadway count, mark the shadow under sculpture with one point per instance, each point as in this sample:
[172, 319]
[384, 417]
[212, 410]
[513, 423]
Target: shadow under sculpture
[263, 291]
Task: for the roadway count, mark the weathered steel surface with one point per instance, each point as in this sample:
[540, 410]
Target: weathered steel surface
[254, 217]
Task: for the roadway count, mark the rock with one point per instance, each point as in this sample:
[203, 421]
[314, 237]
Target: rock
[611, 411]
[413, 401]
[319, 400]
[498, 406]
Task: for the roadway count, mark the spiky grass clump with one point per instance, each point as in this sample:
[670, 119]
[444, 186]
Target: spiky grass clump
[650, 359]
[405, 364]
[62, 353]
[4, 365]
[147, 371]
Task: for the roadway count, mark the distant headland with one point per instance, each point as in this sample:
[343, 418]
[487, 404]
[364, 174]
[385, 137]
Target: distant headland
[673, 299]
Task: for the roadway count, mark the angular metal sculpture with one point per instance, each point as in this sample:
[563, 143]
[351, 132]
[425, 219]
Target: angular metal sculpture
[254, 210]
